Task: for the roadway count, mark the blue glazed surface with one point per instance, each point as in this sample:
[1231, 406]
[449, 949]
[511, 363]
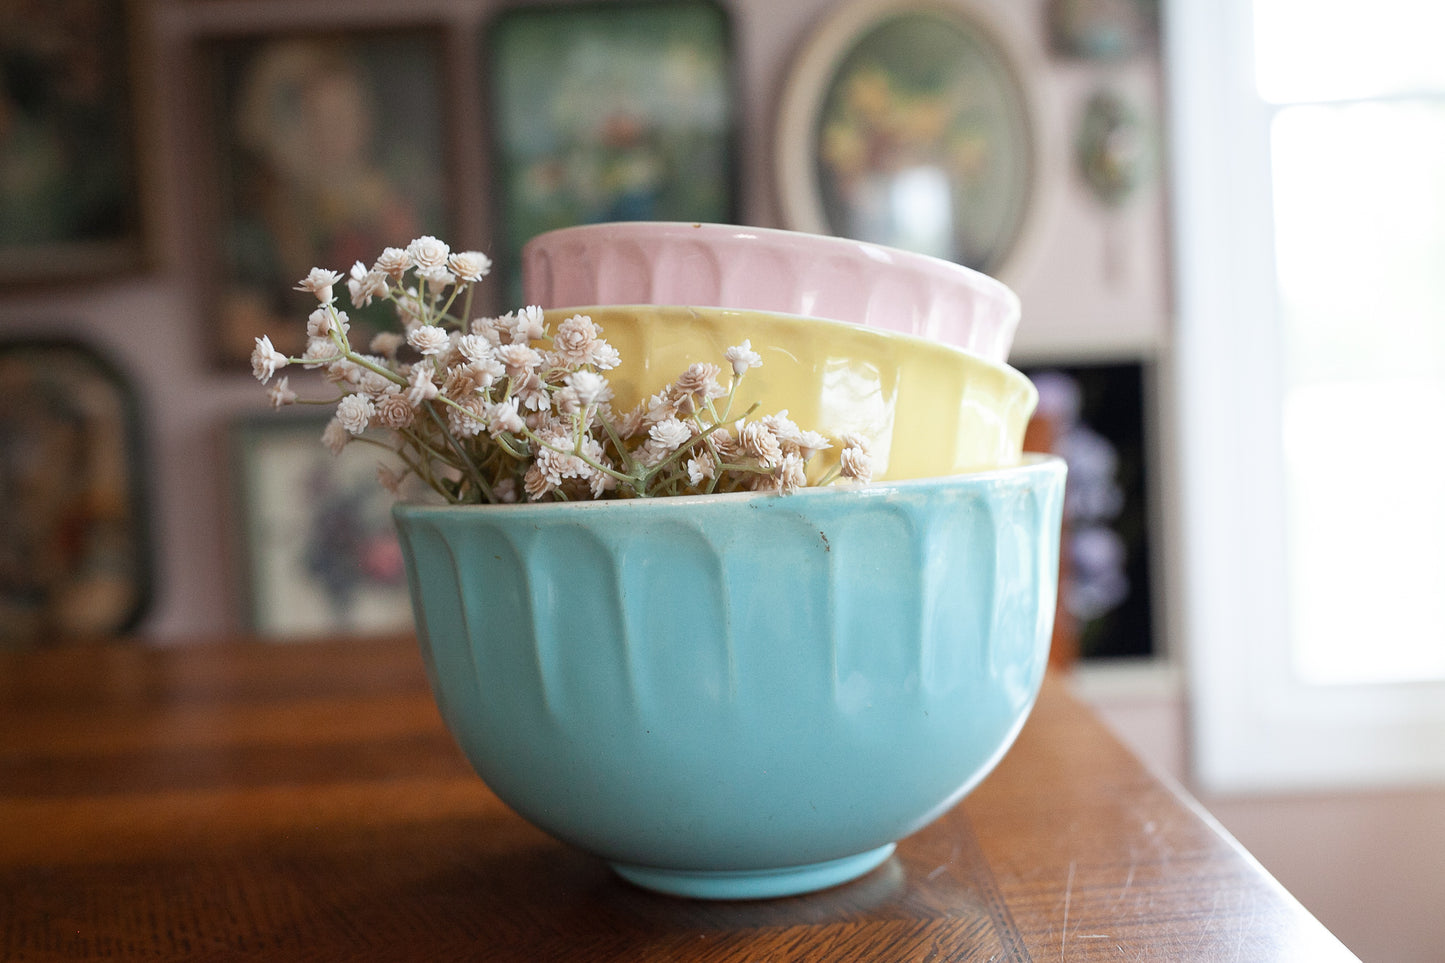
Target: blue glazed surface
[740, 684]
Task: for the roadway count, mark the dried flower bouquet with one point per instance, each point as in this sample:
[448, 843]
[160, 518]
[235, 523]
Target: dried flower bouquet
[486, 410]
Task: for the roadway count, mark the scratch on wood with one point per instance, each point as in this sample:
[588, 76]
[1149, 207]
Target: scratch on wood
[1068, 898]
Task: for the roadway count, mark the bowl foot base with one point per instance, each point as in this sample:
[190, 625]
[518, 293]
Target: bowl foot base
[753, 883]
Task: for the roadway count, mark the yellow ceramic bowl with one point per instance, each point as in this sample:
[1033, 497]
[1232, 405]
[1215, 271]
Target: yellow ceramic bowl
[927, 408]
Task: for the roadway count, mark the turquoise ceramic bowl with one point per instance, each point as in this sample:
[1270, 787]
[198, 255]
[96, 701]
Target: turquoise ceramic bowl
[741, 696]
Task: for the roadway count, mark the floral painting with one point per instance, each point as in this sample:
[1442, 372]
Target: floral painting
[609, 112]
[321, 555]
[923, 142]
[327, 145]
[1096, 423]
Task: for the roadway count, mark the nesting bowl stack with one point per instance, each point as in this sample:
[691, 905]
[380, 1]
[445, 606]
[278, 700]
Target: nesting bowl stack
[752, 695]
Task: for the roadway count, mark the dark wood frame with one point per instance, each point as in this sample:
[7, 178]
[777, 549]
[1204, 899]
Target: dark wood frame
[92, 128]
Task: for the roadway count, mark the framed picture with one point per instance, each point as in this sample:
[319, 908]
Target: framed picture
[74, 191]
[909, 123]
[75, 542]
[1092, 415]
[319, 552]
[323, 150]
[1102, 30]
[618, 111]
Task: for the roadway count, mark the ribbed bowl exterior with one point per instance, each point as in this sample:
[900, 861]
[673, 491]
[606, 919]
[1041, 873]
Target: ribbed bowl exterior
[926, 409]
[726, 266]
[740, 682]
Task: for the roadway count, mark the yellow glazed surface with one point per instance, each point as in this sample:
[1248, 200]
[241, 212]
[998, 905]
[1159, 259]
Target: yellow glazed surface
[928, 409]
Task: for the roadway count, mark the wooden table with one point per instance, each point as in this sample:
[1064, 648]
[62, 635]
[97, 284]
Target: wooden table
[250, 801]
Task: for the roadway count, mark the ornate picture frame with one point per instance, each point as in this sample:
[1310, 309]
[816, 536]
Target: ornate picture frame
[609, 111]
[75, 538]
[912, 124]
[76, 186]
[321, 149]
[318, 551]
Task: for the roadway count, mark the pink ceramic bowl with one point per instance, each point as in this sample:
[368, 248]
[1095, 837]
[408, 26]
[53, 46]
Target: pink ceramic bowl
[762, 269]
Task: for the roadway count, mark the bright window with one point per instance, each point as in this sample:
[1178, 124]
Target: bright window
[1309, 139]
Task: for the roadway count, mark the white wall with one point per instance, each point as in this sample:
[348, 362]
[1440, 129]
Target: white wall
[154, 325]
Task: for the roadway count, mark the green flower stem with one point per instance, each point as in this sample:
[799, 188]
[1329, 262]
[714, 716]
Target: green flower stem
[576, 451]
[338, 338]
[457, 288]
[465, 462]
[506, 446]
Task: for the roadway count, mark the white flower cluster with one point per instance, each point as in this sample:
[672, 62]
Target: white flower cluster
[500, 409]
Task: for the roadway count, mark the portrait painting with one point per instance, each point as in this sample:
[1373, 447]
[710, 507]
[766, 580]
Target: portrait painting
[329, 148]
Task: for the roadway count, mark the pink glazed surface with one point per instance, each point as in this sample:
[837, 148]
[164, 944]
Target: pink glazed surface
[763, 269]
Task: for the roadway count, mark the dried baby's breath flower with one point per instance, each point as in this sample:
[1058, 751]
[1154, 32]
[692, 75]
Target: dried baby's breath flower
[517, 357]
[320, 282]
[266, 360]
[468, 417]
[854, 461]
[528, 324]
[365, 284]
[670, 434]
[354, 412]
[394, 263]
[742, 357]
[700, 469]
[591, 387]
[394, 411]
[428, 254]
[758, 441]
[604, 356]
[335, 436]
[503, 417]
[791, 473]
[281, 394]
[573, 340]
[324, 319]
[469, 266]
[386, 344]
[428, 339]
[421, 388]
[699, 381]
[532, 391]
[500, 409]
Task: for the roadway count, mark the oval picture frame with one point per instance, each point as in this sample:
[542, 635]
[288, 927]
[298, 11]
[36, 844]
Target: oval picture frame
[913, 124]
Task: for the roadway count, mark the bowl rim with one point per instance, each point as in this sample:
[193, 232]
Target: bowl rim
[711, 231]
[1030, 463]
[1002, 369]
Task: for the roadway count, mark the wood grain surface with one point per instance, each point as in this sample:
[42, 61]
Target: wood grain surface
[237, 800]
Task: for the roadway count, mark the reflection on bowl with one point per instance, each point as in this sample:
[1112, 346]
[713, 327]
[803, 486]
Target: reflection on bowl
[926, 408]
[741, 695]
[720, 265]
